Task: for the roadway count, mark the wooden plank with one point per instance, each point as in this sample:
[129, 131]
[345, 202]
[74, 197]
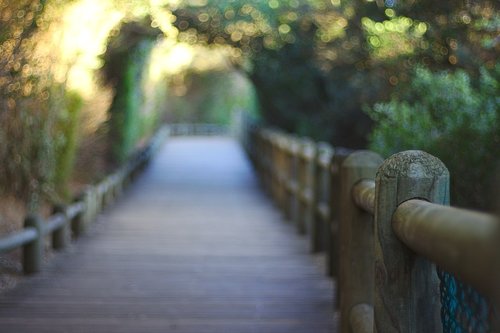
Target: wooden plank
[193, 246]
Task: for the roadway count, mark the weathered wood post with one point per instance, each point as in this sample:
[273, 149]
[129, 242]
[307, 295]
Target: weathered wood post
[332, 236]
[61, 236]
[33, 251]
[287, 162]
[251, 142]
[98, 198]
[93, 207]
[321, 222]
[269, 163]
[255, 150]
[293, 181]
[266, 161]
[306, 156]
[108, 192]
[119, 183]
[356, 234]
[275, 167]
[79, 225]
[290, 178]
[282, 168]
[113, 184]
[406, 286]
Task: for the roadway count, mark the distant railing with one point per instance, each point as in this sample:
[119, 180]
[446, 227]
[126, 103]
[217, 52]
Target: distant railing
[385, 225]
[74, 219]
[198, 129]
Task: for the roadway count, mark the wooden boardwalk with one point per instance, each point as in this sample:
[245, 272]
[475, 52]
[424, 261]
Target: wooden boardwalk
[193, 246]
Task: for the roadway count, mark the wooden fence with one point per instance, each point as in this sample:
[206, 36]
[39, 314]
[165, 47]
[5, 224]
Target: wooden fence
[384, 225]
[71, 221]
[198, 129]
[74, 219]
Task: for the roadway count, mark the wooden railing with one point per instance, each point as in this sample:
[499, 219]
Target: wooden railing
[72, 221]
[384, 225]
[182, 129]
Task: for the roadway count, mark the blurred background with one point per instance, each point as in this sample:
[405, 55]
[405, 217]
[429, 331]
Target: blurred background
[83, 83]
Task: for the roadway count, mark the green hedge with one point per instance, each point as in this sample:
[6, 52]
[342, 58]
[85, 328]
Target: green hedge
[453, 118]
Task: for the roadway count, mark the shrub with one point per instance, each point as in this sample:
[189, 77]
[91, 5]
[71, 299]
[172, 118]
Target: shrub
[448, 116]
[124, 64]
[211, 96]
[66, 140]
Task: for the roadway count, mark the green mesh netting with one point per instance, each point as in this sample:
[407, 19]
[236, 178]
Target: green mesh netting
[463, 309]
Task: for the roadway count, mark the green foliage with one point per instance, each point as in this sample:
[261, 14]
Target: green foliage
[26, 96]
[211, 97]
[67, 140]
[316, 63]
[284, 43]
[448, 116]
[124, 67]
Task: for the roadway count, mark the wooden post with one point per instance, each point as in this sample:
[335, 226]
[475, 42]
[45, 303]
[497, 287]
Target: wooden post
[259, 154]
[97, 199]
[321, 220]
[91, 205]
[33, 251]
[293, 181]
[106, 197]
[306, 156]
[266, 162]
[61, 236]
[289, 177]
[103, 190]
[406, 286]
[333, 238]
[275, 167]
[269, 163]
[282, 177]
[356, 234]
[119, 183]
[79, 225]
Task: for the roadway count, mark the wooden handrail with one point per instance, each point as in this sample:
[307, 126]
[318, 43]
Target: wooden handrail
[17, 239]
[204, 129]
[404, 211]
[361, 318]
[79, 214]
[458, 240]
[363, 194]
[53, 223]
[75, 209]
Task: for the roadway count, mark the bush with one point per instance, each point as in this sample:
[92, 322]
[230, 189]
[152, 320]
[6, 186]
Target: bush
[211, 96]
[66, 140]
[125, 62]
[446, 115]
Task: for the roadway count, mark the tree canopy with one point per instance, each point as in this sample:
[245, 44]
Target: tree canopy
[315, 64]
[316, 67]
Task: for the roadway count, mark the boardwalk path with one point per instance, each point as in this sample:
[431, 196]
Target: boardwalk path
[193, 246]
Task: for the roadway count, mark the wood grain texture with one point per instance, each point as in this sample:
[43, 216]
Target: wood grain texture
[406, 285]
[356, 234]
[193, 246]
